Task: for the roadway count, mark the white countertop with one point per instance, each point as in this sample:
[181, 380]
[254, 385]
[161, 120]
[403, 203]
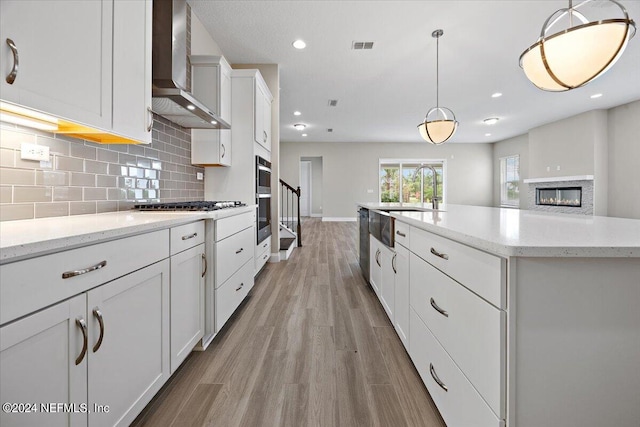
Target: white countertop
[34, 237]
[515, 232]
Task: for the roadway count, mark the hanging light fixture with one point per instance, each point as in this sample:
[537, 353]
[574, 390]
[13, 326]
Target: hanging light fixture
[579, 54]
[440, 122]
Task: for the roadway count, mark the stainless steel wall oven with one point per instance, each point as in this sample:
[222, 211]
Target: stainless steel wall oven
[263, 198]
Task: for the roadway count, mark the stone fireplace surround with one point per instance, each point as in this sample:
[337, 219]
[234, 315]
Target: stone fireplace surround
[583, 181]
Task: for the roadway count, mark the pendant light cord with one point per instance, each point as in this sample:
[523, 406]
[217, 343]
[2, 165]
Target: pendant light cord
[438, 72]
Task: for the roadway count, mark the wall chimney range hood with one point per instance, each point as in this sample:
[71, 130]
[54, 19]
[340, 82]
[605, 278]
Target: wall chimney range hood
[170, 97]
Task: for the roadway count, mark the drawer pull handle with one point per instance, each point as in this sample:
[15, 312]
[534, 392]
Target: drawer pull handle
[83, 327]
[265, 256]
[400, 233]
[190, 236]
[239, 287]
[438, 254]
[206, 266]
[393, 263]
[438, 309]
[11, 77]
[432, 370]
[150, 125]
[378, 258]
[98, 314]
[239, 250]
[265, 245]
[68, 274]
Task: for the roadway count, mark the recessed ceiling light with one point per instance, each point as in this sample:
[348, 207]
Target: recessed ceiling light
[299, 44]
[496, 95]
[296, 113]
[300, 126]
[304, 134]
[487, 134]
[191, 107]
[596, 95]
[491, 121]
[213, 122]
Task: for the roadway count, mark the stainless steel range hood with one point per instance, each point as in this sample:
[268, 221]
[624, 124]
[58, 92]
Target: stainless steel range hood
[170, 98]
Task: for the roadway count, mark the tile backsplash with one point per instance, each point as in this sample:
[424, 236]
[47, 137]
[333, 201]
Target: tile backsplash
[83, 177]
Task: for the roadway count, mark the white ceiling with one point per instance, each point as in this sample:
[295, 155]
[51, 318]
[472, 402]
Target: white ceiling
[385, 92]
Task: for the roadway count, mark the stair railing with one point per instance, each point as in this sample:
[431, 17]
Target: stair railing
[290, 208]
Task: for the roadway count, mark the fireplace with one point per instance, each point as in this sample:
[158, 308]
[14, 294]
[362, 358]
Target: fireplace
[559, 196]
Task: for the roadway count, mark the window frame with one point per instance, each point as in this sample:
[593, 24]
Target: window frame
[400, 162]
[504, 201]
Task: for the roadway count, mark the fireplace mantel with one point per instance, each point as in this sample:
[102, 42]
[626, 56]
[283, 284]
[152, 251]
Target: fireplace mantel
[559, 179]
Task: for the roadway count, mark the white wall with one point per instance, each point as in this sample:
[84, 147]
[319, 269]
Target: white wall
[350, 169]
[316, 184]
[518, 145]
[201, 41]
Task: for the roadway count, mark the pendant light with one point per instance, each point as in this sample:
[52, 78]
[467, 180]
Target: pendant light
[573, 57]
[440, 122]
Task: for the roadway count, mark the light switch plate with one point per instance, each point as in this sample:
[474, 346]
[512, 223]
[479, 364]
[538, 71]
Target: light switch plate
[199, 176]
[34, 152]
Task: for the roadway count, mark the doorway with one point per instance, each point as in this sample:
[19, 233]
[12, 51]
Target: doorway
[311, 173]
[306, 178]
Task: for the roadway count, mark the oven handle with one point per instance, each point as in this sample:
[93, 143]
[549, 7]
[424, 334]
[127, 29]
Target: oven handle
[264, 168]
[263, 196]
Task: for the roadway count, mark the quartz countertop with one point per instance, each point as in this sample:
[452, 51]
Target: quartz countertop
[524, 233]
[33, 237]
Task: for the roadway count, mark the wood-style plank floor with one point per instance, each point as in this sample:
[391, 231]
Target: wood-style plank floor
[310, 346]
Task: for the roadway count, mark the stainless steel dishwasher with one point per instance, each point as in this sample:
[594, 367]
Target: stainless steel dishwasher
[363, 226]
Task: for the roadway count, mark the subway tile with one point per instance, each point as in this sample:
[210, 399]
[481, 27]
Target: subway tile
[116, 194]
[95, 194]
[17, 176]
[118, 170]
[16, 211]
[120, 148]
[149, 194]
[5, 194]
[6, 157]
[44, 210]
[56, 146]
[69, 164]
[31, 194]
[106, 155]
[82, 208]
[142, 183]
[55, 178]
[107, 207]
[82, 151]
[95, 145]
[136, 172]
[127, 159]
[91, 166]
[150, 174]
[67, 194]
[136, 150]
[11, 138]
[134, 194]
[106, 181]
[143, 163]
[83, 179]
[25, 164]
[156, 165]
[125, 205]
[154, 183]
[125, 182]
[154, 134]
[165, 138]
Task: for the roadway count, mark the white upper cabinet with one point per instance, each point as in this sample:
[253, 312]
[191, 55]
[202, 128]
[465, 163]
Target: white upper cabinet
[85, 62]
[62, 58]
[211, 81]
[262, 113]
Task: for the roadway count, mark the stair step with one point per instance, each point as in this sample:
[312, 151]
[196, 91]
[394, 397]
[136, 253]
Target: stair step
[285, 243]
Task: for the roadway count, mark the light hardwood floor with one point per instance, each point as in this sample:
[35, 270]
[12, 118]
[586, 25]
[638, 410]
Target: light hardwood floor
[311, 346]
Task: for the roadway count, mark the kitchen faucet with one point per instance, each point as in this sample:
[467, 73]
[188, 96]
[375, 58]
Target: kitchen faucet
[435, 199]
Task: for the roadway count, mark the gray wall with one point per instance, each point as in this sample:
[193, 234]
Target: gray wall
[624, 160]
[352, 168]
[509, 147]
[316, 184]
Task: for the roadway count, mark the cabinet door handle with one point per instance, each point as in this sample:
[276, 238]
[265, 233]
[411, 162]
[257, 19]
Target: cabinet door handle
[68, 274]
[98, 314]
[206, 266]
[437, 308]
[432, 370]
[239, 250]
[438, 254]
[239, 287]
[264, 138]
[11, 77]
[190, 236]
[400, 233]
[150, 125]
[378, 258]
[224, 150]
[393, 263]
[85, 339]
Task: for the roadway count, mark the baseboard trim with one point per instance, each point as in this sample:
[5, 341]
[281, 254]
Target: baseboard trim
[316, 215]
[339, 219]
[275, 257]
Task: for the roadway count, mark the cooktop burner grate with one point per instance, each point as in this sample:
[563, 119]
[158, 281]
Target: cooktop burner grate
[189, 206]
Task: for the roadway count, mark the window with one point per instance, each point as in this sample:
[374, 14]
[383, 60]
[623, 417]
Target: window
[399, 183]
[509, 181]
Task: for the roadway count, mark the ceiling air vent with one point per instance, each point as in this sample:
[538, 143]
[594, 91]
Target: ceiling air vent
[329, 130]
[362, 45]
[333, 103]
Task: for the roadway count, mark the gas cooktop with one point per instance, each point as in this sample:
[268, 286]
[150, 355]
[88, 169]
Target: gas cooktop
[189, 206]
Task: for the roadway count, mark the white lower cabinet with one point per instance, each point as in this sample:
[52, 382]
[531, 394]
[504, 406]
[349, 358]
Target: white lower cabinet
[401, 298]
[232, 292]
[375, 265]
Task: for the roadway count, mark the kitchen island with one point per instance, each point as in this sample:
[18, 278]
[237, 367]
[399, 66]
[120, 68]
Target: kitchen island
[523, 318]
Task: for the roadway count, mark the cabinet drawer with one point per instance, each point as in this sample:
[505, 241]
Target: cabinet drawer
[232, 253]
[232, 292]
[263, 252]
[35, 283]
[479, 271]
[471, 330]
[226, 227]
[402, 233]
[460, 405]
[186, 236]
